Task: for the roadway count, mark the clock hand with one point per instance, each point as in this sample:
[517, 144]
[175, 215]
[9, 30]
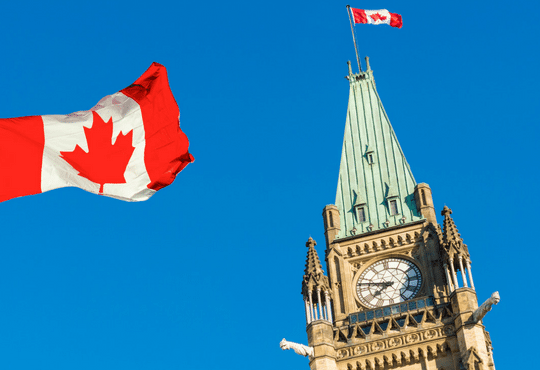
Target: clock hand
[385, 284]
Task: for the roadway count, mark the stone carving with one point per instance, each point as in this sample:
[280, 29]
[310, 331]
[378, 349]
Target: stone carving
[300, 349]
[472, 359]
[399, 358]
[398, 341]
[449, 330]
[411, 338]
[485, 307]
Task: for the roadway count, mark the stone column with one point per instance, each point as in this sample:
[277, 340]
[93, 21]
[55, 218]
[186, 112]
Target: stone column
[426, 363]
[308, 316]
[470, 273]
[463, 272]
[319, 303]
[313, 312]
[328, 309]
[456, 285]
[450, 285]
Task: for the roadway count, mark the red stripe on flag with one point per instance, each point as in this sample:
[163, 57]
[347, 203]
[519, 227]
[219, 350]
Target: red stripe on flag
[395, 20]
[166, 151]
[22, 141]
[359, 15]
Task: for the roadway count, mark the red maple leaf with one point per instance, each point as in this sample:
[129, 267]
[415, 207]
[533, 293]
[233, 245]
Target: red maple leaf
[105, 162]
[377, 17]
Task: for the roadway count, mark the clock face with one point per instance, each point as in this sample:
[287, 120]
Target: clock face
[388, 281]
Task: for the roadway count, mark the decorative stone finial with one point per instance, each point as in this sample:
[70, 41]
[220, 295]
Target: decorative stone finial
[367, 63]
[314, 277]
[446, 211]
[350, 68]
[452, 241]
[313, 264]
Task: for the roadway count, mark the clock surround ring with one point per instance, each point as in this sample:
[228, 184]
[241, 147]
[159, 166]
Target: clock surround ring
[414, 264]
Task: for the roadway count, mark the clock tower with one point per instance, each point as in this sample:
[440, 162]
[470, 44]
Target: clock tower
[399, 290]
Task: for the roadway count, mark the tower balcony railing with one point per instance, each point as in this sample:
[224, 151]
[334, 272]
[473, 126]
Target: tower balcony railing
[391, 310]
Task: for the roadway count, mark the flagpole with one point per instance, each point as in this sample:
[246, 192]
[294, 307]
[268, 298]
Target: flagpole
[354, 39]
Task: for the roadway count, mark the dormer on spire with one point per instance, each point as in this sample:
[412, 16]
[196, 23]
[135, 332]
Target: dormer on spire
[315, 287]
[455, 252]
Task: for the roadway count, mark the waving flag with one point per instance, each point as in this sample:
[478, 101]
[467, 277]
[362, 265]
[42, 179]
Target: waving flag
[377, 17]
[127, 147]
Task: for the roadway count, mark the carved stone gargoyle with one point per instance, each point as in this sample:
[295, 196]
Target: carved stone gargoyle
[300, 349]
[485, 308]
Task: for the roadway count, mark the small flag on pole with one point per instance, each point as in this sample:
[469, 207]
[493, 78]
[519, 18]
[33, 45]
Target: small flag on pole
[128, 146]
[377, 17]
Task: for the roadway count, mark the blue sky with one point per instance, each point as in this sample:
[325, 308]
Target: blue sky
[208, 272]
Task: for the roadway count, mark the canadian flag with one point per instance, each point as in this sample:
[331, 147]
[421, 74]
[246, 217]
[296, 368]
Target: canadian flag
[377, 17]
[127, 147]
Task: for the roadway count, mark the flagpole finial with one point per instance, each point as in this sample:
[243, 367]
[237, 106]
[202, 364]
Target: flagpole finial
[367, 64]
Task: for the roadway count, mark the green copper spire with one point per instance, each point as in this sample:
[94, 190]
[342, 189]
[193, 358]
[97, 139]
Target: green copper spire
[376, 186]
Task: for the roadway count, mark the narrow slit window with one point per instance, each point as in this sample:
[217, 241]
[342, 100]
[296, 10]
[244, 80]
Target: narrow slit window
[423, 197]
[393, 208]
[361, 214]
[370, 158]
